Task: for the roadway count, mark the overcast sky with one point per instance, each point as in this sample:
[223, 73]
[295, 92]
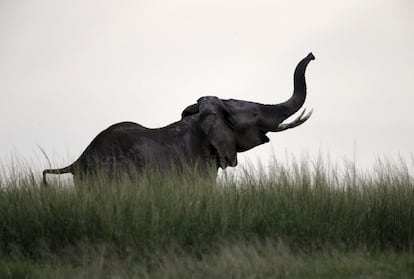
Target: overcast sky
[69, 69]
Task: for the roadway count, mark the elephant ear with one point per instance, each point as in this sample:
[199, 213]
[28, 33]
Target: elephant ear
[190, 110]
[212, 119]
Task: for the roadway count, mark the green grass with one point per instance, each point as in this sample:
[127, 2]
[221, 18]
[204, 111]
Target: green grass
[225, 259]
[305, 219]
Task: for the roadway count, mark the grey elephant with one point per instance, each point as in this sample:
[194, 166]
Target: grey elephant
[208, 136]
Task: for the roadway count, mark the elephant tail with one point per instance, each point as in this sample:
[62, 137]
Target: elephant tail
[68, 169]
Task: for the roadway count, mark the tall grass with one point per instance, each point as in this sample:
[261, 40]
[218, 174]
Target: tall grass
[309, 205]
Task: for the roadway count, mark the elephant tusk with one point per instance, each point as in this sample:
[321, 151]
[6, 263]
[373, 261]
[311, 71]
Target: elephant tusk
[298, 121]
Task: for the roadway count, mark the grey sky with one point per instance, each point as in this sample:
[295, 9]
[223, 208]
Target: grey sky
[69, 69]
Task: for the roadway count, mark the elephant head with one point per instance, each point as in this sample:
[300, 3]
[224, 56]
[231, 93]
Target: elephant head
[233, 126]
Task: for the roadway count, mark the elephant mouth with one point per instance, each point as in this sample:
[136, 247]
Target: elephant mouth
[263, 137]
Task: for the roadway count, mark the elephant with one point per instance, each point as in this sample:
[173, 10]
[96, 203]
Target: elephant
[208, 136]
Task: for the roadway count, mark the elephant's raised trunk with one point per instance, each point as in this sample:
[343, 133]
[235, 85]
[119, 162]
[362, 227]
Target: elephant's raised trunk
[295, 102]
[273, 115]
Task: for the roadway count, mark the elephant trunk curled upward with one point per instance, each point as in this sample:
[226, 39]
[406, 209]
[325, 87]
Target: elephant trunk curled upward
[208, 136]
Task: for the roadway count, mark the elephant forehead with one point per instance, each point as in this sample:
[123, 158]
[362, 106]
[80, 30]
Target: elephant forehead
[241, 105]
[238, 108]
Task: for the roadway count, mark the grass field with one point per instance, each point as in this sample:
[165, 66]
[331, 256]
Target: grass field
[301, 220]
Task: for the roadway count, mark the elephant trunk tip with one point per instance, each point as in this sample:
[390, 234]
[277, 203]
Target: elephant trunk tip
[310, 56]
